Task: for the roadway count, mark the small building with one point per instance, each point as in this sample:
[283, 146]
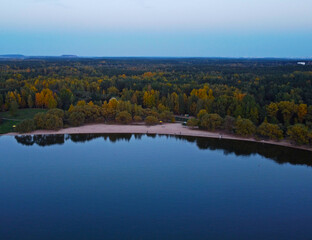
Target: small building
[301, 63]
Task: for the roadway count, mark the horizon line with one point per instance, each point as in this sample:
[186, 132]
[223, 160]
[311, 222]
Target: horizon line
[17, 55]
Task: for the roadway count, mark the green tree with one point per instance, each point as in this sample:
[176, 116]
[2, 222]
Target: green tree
[13, 108]
[66, 98]
[30, 101]
[193, 122]
[229, 124]
[76, 118]
[25, 126]
[1, 101]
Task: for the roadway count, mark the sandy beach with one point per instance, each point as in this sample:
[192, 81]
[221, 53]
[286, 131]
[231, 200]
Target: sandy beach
[167, 129]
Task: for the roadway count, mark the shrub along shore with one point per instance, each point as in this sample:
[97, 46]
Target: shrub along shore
[176, 129]
[123, 112]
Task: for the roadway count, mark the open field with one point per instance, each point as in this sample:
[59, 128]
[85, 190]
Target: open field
[8, 121]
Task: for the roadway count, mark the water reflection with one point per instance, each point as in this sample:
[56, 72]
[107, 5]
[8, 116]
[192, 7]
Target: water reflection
[279, 154]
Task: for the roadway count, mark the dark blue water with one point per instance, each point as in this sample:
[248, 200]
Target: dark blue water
[143, 187]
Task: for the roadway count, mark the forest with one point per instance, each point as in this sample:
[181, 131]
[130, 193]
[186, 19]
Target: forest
[262, 98]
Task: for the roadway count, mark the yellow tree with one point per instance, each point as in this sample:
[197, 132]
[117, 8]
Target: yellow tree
[39, 99]
[175, 102]
[302, 111]
[272, 109]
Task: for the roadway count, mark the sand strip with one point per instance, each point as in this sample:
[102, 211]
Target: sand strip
[167, 128]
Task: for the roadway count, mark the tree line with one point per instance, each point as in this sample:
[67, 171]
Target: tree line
[273, 95]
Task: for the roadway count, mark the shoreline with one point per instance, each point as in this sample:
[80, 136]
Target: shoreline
[164, 129]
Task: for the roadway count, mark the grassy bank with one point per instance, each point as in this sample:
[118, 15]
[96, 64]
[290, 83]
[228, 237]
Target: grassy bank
[8, 121]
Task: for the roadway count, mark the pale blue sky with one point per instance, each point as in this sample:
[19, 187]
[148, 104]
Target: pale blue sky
[205, 28]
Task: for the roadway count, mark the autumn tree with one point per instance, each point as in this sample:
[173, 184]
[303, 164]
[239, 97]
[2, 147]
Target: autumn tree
[201, 113]
[150, 98]
[244, 127]
[53, 122]
[57, 112]
[298, 133]
[123, 117]
[137, 118]
[302, 111]
[210, 121]
[271, 131]
[39, 119]
[151, 120]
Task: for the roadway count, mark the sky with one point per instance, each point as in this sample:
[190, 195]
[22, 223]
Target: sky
[160, 28]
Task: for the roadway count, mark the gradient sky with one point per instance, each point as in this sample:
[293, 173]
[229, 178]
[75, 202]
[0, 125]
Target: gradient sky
[203, 28]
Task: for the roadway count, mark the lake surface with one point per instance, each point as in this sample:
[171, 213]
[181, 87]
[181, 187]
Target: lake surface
[125, 186]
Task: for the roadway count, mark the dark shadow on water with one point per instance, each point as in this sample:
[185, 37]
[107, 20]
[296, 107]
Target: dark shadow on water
[279, 154]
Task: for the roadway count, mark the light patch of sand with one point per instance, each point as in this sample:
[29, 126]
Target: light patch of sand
[166, 128]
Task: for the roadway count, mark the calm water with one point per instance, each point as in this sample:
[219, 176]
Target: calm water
[151, 187]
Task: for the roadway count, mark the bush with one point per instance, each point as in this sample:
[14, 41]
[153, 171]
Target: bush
[298, 133]
[48, 121]
[228, 124]
[151, 120]
[53, 122]
[13, 108]
[271, 131]
[210, 121]
[244, 127]
[193, 122]
[56, 112]
[123, 117]
[201, 113]
[166, 116]
[91, 113]
[25, 126]
[137, 119]
[40, 120]
[76, 119]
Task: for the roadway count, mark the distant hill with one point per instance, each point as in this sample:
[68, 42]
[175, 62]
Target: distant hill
[69, 56]
[12, 56]
[23, 57]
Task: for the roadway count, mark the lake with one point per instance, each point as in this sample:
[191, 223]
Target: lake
[127, 186]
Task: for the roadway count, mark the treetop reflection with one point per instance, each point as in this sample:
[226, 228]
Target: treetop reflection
[279, 154]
